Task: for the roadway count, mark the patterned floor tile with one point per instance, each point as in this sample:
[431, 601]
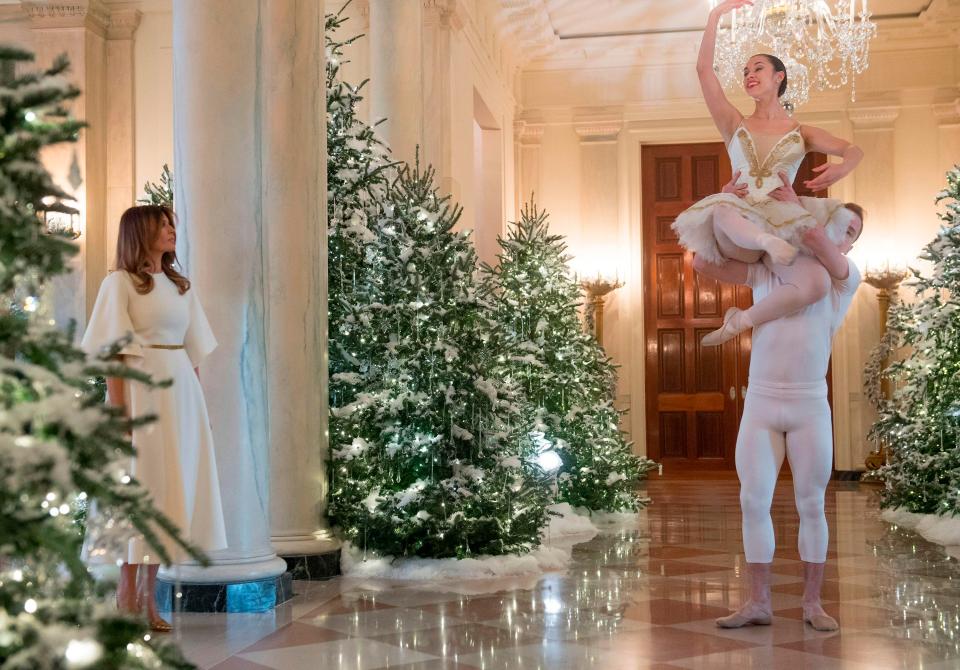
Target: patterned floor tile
[294, 635]
[380, 622]
[667, 644]
[767, 658]
[459, 640]
[879, 652]
[644, 598]
[350, 654]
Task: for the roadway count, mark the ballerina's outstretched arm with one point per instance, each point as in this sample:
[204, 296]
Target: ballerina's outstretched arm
[819, 140]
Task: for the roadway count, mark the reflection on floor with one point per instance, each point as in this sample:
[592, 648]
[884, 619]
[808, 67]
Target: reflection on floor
[641, 598]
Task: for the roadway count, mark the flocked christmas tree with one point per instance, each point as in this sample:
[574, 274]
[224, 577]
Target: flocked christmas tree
[59, 446]
[568, 379]
[161, 192]
[429, 456]
[921, 425]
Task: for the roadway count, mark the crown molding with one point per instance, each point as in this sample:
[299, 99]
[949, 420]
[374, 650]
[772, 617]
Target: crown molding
[91, 14]
[943, 15]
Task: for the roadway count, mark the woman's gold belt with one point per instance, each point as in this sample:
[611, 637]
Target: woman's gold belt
[169, 347]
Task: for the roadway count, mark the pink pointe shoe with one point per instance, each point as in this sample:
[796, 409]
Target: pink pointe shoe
[734, 323]
[750, 614]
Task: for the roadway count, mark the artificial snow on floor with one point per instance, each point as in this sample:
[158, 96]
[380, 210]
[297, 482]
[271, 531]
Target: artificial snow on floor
[566, 521]
[931, 527]
[606, 522]
[353, 563]
[567, 526]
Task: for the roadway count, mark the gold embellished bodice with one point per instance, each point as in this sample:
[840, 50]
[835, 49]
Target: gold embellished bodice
[759, 166]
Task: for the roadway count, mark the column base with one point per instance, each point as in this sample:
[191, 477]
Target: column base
[261, 595]
[256, 585]
[310, 557]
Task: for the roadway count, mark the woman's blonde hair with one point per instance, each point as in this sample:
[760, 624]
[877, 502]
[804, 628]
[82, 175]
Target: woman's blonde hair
[139, 227]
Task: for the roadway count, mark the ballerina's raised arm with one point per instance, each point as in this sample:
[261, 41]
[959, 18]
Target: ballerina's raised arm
[725, 115]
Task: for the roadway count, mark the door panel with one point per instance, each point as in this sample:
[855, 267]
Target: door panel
[691, 418]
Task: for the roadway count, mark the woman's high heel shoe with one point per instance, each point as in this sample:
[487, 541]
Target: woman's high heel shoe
[158, 625]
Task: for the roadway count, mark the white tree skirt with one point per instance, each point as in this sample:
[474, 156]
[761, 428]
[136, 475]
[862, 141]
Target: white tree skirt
[353, 563]
[567, 527]
[943, 530]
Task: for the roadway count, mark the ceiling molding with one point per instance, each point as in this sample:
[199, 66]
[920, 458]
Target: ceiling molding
[526, 23]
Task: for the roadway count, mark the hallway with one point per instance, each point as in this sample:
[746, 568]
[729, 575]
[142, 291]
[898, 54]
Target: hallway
[643, 598]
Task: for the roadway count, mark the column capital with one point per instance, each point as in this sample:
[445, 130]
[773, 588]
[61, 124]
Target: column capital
[947, 113]
[598, 130]
[873, 118]
[527, 133]
[123, 24]
[91, 14]
[446, 13]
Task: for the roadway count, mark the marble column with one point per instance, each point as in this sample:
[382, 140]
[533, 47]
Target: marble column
[396, 74]
[294, 199]
[249, 157]
[78, 28]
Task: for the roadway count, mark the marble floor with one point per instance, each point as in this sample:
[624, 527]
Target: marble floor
[639, 598]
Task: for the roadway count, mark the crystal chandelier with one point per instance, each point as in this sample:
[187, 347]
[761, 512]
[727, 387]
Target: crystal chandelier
[824, 44]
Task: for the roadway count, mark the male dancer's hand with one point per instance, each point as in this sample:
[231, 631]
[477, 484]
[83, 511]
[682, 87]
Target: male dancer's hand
[785, 193]
[739, 190]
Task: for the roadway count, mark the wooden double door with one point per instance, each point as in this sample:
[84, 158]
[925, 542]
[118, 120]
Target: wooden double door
[694, 394]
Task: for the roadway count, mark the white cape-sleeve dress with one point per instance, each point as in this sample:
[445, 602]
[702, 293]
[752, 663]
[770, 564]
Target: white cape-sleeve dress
[175, 459]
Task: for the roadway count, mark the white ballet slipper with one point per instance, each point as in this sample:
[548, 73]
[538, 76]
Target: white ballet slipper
[733, 325]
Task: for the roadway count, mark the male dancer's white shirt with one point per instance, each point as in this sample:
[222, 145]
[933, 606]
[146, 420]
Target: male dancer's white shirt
[795, 349]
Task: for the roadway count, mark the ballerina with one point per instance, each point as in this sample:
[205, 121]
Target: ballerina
[768, 147]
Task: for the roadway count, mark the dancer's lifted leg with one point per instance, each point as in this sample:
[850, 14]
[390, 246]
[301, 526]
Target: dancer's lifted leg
[803, 283]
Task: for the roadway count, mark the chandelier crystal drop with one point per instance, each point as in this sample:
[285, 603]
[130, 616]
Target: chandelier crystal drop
[824, 44]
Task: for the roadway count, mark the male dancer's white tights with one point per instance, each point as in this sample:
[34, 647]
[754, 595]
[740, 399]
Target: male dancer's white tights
[792, 420]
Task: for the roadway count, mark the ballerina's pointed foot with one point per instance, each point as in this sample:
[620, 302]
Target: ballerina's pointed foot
[751, 614]
[819, 620]
[734, 322]
[780, 251]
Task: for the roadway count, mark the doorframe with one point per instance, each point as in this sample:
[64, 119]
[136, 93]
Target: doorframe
[636, 134]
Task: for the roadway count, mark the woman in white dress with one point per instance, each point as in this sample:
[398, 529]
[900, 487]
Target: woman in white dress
[766, 147]
[147, 298]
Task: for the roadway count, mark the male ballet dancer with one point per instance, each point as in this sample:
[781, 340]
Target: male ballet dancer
[786, 413]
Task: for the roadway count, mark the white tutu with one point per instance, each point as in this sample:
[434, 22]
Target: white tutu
[786, 220]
